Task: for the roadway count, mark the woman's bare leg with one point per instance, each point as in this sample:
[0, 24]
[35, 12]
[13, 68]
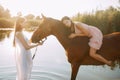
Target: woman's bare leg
[99, 57]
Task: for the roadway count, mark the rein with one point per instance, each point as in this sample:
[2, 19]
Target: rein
[42, 41]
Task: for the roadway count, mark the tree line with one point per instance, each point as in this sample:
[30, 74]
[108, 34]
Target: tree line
[106, 20]
[7, 21]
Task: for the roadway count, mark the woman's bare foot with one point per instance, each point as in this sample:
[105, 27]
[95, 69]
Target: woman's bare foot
[111, 64]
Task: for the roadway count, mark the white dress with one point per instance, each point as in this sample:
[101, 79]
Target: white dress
[23, 59]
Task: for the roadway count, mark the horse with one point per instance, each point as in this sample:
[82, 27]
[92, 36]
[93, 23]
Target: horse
[77, 49]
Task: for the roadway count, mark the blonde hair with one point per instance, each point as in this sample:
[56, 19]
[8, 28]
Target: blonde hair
[17, 27]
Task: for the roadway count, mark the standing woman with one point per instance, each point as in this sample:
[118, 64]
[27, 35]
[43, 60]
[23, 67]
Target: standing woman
[23, 55]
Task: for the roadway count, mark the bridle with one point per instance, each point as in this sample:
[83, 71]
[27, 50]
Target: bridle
[41, 41]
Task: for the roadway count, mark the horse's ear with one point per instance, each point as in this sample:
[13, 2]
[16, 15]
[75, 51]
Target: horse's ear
[43, 16]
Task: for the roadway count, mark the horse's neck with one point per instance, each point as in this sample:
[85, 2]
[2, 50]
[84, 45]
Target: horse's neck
[62, 38]
[64, 41]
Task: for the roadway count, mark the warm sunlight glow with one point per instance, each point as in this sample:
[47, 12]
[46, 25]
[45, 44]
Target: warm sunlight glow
[56, 8]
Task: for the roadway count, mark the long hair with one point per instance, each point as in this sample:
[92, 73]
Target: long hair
[72, 24]
[17, 27]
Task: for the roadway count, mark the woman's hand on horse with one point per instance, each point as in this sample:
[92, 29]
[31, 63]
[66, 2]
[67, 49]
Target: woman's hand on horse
[72, 35]
[39, 43]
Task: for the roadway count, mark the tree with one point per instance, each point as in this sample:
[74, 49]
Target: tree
[4, 13]
[107, 21]
[37, 18]
[30, 16]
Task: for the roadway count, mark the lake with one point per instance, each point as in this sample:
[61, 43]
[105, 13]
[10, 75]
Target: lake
[50, 63]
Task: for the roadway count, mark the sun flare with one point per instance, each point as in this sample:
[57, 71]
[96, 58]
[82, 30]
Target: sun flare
[55, 8]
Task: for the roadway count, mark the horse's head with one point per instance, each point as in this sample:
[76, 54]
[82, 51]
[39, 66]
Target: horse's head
[43, 30]
[50, 26]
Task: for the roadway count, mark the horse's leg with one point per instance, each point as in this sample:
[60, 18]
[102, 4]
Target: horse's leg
[75, 68]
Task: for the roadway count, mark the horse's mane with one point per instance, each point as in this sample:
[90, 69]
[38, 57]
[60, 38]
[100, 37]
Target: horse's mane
[64, 32]
[60, 26]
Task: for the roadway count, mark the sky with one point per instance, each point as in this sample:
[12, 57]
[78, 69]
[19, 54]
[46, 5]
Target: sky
[56, 8]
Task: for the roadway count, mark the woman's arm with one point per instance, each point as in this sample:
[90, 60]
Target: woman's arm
[84, 31]
[74, 35]
[25, 44]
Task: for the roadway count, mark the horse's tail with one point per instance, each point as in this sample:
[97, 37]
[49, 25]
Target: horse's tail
[112, 41]
[117, 34]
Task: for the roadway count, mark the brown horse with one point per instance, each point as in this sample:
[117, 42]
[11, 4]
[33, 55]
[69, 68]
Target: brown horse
[77, 49]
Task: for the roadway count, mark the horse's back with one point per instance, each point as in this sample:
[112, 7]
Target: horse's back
[111, 40]
[110, 49]
[111, 45]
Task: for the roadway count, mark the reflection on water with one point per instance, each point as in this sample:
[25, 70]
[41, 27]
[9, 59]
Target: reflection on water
[50, 63]
[4, 33]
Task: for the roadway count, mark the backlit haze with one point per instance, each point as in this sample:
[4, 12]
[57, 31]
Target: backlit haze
[56, 8]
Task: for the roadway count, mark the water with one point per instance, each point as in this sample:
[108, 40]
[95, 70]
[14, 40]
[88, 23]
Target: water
[50, 63]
